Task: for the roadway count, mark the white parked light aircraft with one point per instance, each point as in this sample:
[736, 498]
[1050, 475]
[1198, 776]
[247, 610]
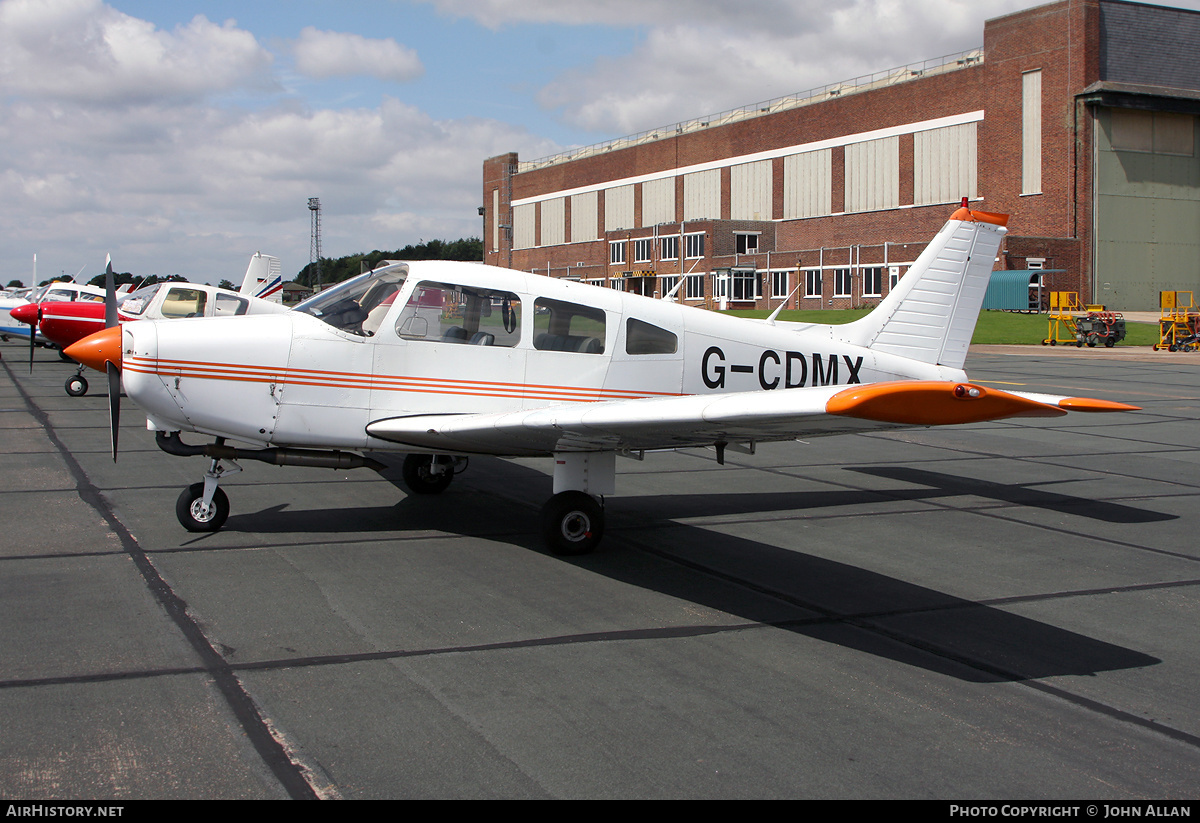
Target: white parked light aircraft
[445, 360]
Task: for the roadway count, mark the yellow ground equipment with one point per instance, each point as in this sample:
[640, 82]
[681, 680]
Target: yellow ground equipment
[1064, 306]
[1178, 322]
[1071, 322]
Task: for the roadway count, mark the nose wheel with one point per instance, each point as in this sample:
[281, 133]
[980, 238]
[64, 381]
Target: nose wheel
[76, 385]
[203, 507]
[198, 516]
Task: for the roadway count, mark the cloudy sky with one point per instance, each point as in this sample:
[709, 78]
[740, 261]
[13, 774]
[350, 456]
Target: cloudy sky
[183, 136]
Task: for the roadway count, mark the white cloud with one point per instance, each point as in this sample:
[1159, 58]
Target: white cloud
[739, 54]
[85, 51]
[323, 54]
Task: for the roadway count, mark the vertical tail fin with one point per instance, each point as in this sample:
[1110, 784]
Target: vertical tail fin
[930, 314]
[264, 278]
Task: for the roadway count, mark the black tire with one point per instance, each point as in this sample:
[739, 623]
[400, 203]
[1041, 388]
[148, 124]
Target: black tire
[420, 478]
[62, 355]
[1053, 342]
[187, 509]
[572, 523]
[1110, 342]
[76, 385]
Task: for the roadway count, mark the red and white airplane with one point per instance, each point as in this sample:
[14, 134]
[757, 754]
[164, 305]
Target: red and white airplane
[446, 360]
[64, 323]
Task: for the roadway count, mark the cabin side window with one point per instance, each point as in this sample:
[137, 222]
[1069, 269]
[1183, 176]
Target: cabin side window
[450, 313]
[228, 305]
[644, 338]
[184, 303]
[570, 327]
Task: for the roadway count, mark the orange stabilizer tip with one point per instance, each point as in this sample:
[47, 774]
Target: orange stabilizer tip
[934, 403]
[97, 349]
[995, 218]
[1089, 404]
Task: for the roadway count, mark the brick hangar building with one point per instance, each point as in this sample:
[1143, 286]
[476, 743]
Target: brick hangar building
[1078, 118]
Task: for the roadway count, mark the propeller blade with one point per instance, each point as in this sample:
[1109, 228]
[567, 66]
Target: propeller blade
[33, 336]
[114, 403]
[110, 295]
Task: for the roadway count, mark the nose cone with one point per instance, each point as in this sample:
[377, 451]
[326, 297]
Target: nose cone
[97, 349]
[25, 313]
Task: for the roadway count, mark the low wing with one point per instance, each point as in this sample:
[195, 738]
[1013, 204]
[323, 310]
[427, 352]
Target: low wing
[702, 420]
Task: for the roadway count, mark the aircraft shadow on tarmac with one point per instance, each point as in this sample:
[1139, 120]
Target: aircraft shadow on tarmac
[835, 602]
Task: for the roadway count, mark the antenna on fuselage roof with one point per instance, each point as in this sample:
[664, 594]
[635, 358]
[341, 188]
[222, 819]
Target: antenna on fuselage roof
[779, 308]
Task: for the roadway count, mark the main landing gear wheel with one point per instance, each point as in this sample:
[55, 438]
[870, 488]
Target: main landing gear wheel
[77, 386]
[193, 515]
[420, 477]
[572, 523]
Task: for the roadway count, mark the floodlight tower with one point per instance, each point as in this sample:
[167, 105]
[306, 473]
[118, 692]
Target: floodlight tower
[314, 248]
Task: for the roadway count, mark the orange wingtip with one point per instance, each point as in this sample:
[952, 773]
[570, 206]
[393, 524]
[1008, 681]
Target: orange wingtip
[97, 349]
[973, 216]
[934, 403]
[1090, 404]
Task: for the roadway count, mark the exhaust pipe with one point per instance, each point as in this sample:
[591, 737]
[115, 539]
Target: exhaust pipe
[172, 444]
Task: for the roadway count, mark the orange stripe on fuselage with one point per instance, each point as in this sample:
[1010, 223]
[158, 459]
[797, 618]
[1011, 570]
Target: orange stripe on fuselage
[400, 383]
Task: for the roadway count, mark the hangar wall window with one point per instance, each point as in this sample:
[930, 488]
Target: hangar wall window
[842, 283]
[945, 163]
[702, 195]
[694, 287]
[554, 226]
[807, 186]
[872, 281]
[645, 338]
[750, 191]
[873, 175]
[642, 249]
[567, 327]
[524, 222]
[584, 217]
[618, 208]
[668, 248]
[746, 243]
[779, 284]
[668, 282]
[1031, 132]
[658, 201]
[812, 283]
[616, 253]
[693, 246]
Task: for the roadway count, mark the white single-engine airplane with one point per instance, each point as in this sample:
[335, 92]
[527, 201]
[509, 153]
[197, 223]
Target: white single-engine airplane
[446, 360]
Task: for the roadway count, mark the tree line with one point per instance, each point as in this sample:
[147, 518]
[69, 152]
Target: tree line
[468, 249]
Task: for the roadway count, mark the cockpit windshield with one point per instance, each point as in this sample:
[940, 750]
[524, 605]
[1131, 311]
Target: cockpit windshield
[136, 302]
[358, 305]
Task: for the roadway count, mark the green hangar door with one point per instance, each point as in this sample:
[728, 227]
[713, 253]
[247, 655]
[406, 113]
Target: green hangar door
[1147, 193]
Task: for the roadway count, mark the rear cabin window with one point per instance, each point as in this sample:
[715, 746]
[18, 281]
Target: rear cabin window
[228, 305]
[450, 313]
[644, 338]
[570, 327]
